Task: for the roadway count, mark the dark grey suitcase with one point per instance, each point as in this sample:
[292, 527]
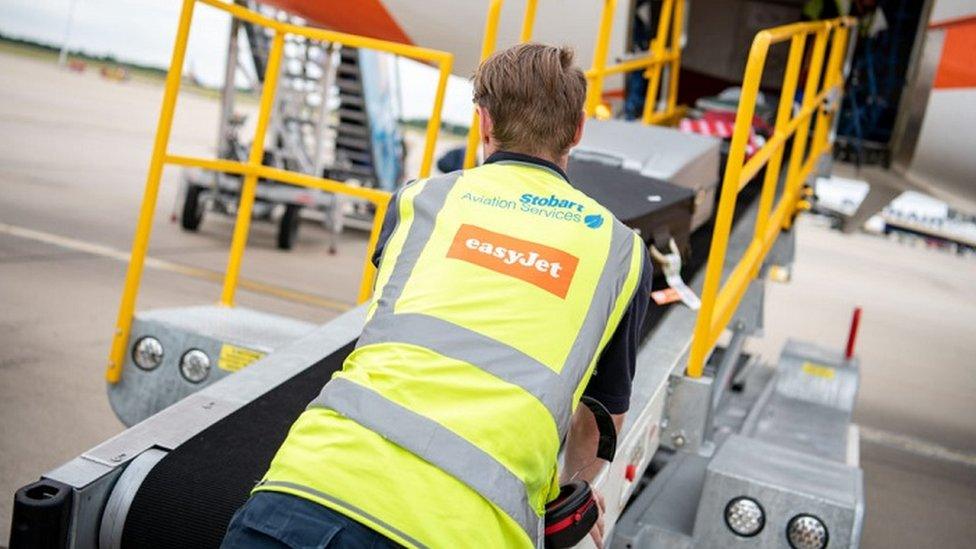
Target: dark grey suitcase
[659, 211]
[666, 154]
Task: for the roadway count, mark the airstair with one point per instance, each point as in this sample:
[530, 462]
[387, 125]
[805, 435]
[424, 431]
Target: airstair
[320, 125]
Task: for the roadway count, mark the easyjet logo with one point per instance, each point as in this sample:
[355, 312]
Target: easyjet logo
[543, 266]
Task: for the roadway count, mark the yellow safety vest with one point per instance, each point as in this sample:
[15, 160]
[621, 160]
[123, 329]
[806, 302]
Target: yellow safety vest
[497, 291]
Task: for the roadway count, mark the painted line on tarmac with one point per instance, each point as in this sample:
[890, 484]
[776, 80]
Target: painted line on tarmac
[253, 286]
[916, 446]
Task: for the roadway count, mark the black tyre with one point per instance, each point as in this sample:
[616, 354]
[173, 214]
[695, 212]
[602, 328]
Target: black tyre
[288, 226]
[193, 208]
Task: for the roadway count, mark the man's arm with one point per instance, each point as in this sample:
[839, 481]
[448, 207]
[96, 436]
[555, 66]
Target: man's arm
[610, 384]
[389, 224]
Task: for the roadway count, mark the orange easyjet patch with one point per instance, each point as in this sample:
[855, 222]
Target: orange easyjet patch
[545, 267]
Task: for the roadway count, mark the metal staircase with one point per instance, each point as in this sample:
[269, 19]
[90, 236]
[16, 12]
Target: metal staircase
[300, 133]
[353, 143]
[307, 137]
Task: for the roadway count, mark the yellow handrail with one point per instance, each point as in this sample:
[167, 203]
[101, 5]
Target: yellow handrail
[488, 44]
[252, 170]
[821, 97]
[670, 24]
[665, 49]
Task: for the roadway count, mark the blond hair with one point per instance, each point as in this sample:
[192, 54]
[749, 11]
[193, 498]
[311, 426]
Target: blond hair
[534, 95]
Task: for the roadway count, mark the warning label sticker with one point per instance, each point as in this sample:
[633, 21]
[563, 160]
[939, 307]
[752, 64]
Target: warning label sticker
[234, 358]
[818, 370]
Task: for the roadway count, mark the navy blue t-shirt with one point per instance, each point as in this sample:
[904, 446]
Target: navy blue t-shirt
[614, 374]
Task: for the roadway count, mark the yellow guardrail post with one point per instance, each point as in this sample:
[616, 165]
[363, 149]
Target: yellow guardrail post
[800, 148]
[664, 49]
[701, 344]
[140, 241]
[838, 49]
[253, 169]
[677, 27]
[249, 186]
[657, 49]
[528, 20]
[783, 117]
[488, 45]
[594, 91]
[719, 301]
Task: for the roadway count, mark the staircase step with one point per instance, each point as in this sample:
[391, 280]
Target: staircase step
[355, 156]
[348, 100]
[352, 115]
[348, 142]
[352, 130]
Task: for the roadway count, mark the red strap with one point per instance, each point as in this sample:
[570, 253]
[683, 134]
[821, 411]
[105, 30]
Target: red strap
[570, 520]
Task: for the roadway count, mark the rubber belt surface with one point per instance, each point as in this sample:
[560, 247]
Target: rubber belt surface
[189, 497]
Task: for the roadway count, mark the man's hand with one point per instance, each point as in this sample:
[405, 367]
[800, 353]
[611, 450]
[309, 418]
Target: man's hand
[597, 531]
[581, 443]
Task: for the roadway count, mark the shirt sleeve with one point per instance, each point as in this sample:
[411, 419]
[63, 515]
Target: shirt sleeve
[614, 374]
[389, 224]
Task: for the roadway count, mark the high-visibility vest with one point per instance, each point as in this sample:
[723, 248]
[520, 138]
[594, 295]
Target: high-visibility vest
[497, 291]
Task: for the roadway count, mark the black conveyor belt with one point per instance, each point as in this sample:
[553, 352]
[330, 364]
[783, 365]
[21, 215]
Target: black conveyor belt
[190, 495]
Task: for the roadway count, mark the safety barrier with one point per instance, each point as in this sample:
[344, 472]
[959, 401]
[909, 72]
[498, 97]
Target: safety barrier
[664, 50]
[488, 45]
[253, 168]
[821, 96]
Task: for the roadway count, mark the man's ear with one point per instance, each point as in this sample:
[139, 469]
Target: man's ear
[579, 130]
[485, 124]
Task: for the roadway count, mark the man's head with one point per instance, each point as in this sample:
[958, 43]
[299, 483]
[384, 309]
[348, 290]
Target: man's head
[530, 98]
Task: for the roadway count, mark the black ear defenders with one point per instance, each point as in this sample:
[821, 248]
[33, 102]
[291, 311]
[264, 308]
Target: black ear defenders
[571, 516]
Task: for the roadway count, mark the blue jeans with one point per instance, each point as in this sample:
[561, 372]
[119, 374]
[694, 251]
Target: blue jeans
[272, 520]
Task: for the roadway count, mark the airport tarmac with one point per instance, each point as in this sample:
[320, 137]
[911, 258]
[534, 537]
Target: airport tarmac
[72, 168]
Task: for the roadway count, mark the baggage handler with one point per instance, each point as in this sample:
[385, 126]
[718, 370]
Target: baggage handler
[503, 296]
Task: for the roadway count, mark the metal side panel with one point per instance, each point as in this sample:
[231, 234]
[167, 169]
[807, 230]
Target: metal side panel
[663, 515]
[232, 338]
[810, 408]
[812, 429]
[818, 375]
[786, 484]
[90, 482]
[93, 475]
[176, 424]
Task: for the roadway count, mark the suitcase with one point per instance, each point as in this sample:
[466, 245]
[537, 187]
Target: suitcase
[666, 154]
[657, 210]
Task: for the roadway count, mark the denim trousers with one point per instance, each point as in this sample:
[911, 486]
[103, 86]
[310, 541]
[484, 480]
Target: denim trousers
[275, 520]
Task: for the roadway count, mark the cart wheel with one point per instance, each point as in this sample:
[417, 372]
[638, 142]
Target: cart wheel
[192, 208]
[288, 226]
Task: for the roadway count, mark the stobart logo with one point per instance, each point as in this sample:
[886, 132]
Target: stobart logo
[550, 207]
[540, 265]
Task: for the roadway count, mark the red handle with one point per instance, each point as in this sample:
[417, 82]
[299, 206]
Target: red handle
[852, 335]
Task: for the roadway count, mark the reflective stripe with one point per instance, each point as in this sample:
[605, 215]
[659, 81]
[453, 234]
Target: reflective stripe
[339, 503]
[437, 445]
[453, 341]
[426, 205]
[554, 390]
[608, 290]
